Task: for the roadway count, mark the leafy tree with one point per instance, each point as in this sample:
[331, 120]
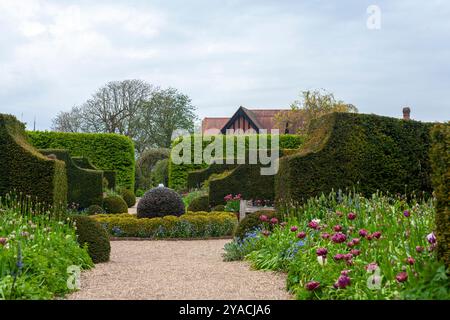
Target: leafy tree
[313, 104]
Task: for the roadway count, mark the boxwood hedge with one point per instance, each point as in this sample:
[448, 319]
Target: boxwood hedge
[106, 151]
[24, 169]
[178, 173]
[440, 160]
[110, 175]
[365, 152]
[85, 186]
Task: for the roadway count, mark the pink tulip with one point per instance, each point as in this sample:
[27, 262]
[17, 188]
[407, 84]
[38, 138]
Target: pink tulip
[363, 233]
[402, 277]
[274, 220]
[337, 228]
[263, 218]
[410, 260]
[325, 235]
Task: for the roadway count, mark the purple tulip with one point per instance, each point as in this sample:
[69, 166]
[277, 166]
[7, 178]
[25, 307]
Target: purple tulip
[313, 225]
[410, 260]
[3, 241]
[312, 285]
[322, 252]
[355, 252]
[431, 238]
[294, 229]
[351, 216]
[372, 266]
[363, 233]
[301, 235]
[356, 241]
[342, 282]
[419, 249]
[339, 237]
[337, 228]
[406, 213]
[274, 220]
[325, 235]
[401, 277]
[338, 257]
[376, 234]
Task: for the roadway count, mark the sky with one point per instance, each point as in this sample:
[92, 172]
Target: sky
[227, 53]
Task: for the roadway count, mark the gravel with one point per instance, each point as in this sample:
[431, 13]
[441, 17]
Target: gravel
[177, 270]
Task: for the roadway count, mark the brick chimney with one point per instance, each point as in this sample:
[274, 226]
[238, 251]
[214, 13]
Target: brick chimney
[406, 113]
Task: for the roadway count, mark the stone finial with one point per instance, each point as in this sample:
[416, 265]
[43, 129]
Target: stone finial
[406, 113]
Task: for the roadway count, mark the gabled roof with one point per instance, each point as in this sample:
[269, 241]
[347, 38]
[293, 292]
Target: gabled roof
[248, 115]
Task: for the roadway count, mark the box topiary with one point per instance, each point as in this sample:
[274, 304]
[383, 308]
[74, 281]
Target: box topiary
[365, 152]
[109, 175]
[94, 209]
[23, 169]
[106, 151]
[84, 185]
[160, 202]
[128, 196]
[252, 221]
[91, 233]
[115, 204]
[440, 163]
[199, 204]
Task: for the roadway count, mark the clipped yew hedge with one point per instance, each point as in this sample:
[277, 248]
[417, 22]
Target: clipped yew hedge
[109, 175]
[440, 163]
[365, 152]
[178, 173]
[106, 151]
[24, 169]
[85, 186]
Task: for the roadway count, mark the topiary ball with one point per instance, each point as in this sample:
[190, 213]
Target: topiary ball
[92, 233]
[94, 209]
[128, 196]
[160, 202]
[199, 204]
[218, 208]
[115, 204]
[252, 222]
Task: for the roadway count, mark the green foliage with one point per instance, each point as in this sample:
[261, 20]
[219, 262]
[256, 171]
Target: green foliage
[109, 175]
[105, 151]
[189, 225]
[246, 180]
[440, 163]
[252, 222]
[35, 251]
[160, 172]
[188, 197]
[145, 165]
[115, 204]
[94, 209]
[24, 169]
[160, 202]
[197, 178]
[368, 152]
[128, 196]
[84, 185]
[199, 204]
[90, 233]
[178, 173]
[219, 207]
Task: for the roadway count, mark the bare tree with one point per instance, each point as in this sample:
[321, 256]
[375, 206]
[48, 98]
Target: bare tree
[68, 121]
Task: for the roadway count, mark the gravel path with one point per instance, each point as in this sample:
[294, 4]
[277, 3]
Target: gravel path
[176, 270]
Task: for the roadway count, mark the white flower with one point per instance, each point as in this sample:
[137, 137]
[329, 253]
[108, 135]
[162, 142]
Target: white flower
[322, 260]
[316, 220]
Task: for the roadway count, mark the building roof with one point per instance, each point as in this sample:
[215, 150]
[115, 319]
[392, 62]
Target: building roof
[213, 125]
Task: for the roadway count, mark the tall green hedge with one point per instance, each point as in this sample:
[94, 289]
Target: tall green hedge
[440, 163]
[366, 152]
[24, 169]
[245, 179]
[106, 151]
[85, 186]
[109, 175]
[178, 174]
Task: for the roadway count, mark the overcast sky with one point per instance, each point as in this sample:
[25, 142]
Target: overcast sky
[223, 54]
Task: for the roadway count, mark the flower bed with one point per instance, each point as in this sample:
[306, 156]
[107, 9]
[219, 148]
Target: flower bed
[351, 248]
[35, 253]
[190, 225]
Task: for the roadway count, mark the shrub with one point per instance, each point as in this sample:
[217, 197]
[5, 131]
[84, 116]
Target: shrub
[440, 163]
[24, 169]
[368, 152]
[145, 165]
[252, 222]
[109, 175]
[84, 185]
[128, 196]
[106, 151]
[178, 173]
[94, 209]
[196, 178]
[115, 204]
[189, 225]
[199, 204]
[92, 234]
[160, 202]
[219, 207]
